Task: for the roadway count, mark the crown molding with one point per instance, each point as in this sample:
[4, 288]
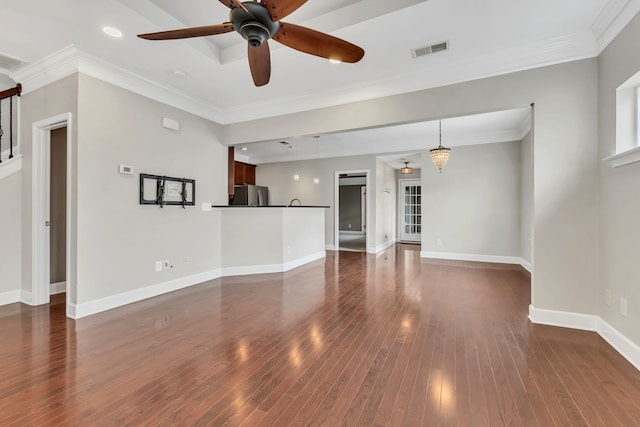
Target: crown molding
[552, 51]
[614, 17]
[70, 60]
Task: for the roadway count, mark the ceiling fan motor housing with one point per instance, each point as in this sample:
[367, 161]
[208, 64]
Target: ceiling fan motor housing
[256, 26]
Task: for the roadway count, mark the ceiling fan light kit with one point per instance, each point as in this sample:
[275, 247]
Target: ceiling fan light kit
[257, 22]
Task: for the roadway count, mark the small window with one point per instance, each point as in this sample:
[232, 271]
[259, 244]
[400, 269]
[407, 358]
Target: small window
[627, 123]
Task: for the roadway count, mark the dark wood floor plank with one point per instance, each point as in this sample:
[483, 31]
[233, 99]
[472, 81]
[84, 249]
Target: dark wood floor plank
[379, 340]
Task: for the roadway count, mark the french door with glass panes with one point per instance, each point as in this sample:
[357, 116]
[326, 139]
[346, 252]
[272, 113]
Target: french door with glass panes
[411, 205]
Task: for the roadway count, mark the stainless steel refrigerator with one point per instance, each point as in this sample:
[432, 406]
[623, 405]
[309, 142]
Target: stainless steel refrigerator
[250, 195]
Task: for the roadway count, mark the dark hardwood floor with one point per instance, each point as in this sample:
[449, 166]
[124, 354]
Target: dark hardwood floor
[387, 340]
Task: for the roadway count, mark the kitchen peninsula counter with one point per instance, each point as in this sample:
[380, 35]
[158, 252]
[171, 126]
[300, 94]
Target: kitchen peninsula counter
[270, 206]
[270, 239]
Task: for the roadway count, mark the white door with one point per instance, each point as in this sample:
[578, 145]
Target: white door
[411, 208]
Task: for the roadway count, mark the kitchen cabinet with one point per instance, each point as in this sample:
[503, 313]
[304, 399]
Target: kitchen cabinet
[244, 173]
[239, 173]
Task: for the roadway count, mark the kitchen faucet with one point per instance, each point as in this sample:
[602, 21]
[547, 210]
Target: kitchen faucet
[293, 200]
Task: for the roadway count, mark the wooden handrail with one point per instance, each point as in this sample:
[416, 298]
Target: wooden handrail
[11, 92]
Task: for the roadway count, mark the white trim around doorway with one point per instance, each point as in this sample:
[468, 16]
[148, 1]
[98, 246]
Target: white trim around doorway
[41, 152]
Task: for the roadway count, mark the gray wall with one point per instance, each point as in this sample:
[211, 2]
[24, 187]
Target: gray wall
[565, 151]
[52, 100]
[350, 213]
[10, 224]
[619, 194]
[386, 203]
[119, 240]
[473, 206]
[282, 188]
[58, 206]
[526, 197]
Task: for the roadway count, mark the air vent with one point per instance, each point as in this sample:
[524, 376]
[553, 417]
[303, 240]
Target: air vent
[434, 48]
[8, 62]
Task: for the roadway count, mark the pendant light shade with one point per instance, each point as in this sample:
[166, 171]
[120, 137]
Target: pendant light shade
[406, 170]
[440, 155]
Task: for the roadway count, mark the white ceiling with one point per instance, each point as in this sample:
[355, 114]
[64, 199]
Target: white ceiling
[486, 38]
[395, 144]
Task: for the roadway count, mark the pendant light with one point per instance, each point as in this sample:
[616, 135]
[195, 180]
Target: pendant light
[406, 170]
[440, 155]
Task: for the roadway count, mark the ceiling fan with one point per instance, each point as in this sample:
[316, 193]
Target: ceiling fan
[257, 22]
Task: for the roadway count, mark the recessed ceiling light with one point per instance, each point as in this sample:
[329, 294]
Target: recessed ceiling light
[180, 73]
[244, 148]
[112, 32]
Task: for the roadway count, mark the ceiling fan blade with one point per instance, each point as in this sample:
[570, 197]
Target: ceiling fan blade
[316, 43]
[281, 8]
[231, 4]
[209, 30]
[260, 63]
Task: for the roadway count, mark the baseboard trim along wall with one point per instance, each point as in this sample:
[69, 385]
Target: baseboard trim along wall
[382, 247]
[473, 257]
[57, 288]
[77, 311]
[10, 297]
[587, 322]
[272, 268]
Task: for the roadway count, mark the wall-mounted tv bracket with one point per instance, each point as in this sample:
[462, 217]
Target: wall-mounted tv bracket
[167, 191]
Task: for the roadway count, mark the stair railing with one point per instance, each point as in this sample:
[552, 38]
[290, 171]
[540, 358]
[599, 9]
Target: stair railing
[10, 94]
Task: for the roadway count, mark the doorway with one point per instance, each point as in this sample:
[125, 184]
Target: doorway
[352, 211]
[411, 210]
[51, 210]
[58, 211]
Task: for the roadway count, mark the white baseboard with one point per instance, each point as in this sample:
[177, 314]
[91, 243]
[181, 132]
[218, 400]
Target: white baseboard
[587, 322]
[330, 247]
[72, 313]
[565, 319]
[26, 297]
[526, 265]
[290, 265]
[272, 268]
[623, 345]
[118, 300]
[382, 247]
[10, 297]
[472, 257]
[57, 288]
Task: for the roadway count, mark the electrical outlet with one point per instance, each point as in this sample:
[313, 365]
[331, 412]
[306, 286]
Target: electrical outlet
[623, 306]
[158, 266]
[166, 264]
[438, 242]
[607, 297]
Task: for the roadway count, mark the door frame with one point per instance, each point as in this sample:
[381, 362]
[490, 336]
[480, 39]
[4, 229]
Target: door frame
[336, 204]
[401, 207]
[40, 209]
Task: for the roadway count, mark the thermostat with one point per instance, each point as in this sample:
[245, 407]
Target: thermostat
[125, 169]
